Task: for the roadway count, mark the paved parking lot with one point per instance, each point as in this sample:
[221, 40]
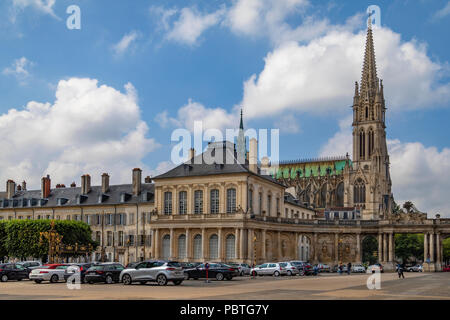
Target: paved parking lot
[326, 286]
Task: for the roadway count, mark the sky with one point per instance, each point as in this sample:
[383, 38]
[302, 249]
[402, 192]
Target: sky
[107, 97]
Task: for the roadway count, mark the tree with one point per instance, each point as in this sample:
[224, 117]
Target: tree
[3, 251]
[23, 236]
[409, 246]
[369, 247]
[446, 244]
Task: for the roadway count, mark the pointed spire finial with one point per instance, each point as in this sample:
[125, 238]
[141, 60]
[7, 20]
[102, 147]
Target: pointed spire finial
[241, 126]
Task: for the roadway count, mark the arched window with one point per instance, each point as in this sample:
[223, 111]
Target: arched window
[166, 247]
[230, 248]
[362, 144]
[367, 113]
[214, 199]
[359, 191]
[168, 203]
[182, 247]
[197, 247]
[198, 202]
[214, 247]
[371, 141]
[323, 196]
[231, 200]
[182, 202]
[340, 195]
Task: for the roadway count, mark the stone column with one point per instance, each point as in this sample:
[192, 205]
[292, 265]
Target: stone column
[432, 247]
[336, 248]
[156, 244]
[314, 246]
[438, 252]
[236, 244]
[250, 252]
[391, 247]
[425, 247]
[220, 244]
[279, 253]
[204, 244]
[241, 245]
[385, 252]
[172, 244]
[358, 248]
[263, 245]
[296, 247]
[188, 245]
[380, 247]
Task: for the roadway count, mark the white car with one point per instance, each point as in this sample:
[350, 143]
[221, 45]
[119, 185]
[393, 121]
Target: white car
[269, 269]
[358, 268]
[52, 273]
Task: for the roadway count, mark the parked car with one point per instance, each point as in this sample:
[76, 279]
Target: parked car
[244, 269]
[132, 264]
[416, 268]
[323, 267]
[30, 265]
[358, 268]
[446, 268]
[82, 269]
[215, 270]
[291, 270]
[158, 270]
[187, 265]
[104, 272]
[304, 268]
[336, 268]
[269, 269]
[373, 268]
[49, 272]
[12, 271]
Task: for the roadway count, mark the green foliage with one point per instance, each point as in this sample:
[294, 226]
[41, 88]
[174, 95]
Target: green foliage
[409, 247]
[3, 251]
[369, 247]
[23, 236]
[446, 244]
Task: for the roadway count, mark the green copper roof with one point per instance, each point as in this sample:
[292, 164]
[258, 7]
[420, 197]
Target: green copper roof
[309, 169]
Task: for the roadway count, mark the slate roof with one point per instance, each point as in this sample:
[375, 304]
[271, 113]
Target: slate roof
[289, 198]
[117, 194]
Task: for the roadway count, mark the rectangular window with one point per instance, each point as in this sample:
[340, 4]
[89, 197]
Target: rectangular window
[269, 204]
[109, 238]
[198, 202]
[131, 218]
[182, 202]
[260, 203]
[214, 201]
[231, 200]
[278, 205]
[168, 203]
[120, 238]
[286, 212]
[250, 200]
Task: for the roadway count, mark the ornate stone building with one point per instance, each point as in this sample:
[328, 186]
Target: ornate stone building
[363, 183]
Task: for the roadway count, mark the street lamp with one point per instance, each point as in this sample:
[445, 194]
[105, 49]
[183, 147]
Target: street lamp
[54, 240]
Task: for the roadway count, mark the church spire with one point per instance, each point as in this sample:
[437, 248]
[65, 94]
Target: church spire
[241, 145]
[369, 78]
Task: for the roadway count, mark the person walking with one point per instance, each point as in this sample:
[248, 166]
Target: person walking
[349, 268]
[400, 271]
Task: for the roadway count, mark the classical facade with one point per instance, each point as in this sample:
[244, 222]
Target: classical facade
[363, 182]
[221, 206]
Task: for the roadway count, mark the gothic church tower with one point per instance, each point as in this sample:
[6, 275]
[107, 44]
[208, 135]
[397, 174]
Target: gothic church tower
[370, 177]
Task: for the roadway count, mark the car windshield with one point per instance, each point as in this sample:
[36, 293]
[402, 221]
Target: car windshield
[97, 268]
[283, 264]
[174, 264]
[62, 267]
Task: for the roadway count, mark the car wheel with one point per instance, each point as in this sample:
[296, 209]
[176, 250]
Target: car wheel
[177, 282]
[161, 280]
[289, 273]
[242, 273]
[109, 279]
[126, 279]
[4, 278]
[302, 273]
[276, 274]
[219, 276]
[54, 278]
[38, 281]
[186, 276]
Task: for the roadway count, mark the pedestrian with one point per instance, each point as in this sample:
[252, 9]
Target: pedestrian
[349, 268]
[400, 271]
[340, 268]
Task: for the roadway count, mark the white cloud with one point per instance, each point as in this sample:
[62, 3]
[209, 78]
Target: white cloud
[44, 6]
[419, 174]
[90, 128]
[188, 25]
[445, 11]
[212, 118]
[19, 69]
[125, 43]
[287, 124]
[319, 76]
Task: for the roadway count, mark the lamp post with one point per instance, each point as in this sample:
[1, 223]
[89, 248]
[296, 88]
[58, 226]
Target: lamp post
[54, 240]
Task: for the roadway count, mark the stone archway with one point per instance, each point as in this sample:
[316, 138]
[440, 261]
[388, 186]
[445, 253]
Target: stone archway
[369, 249]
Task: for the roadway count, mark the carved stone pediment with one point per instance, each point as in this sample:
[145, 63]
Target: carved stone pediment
[411, 217]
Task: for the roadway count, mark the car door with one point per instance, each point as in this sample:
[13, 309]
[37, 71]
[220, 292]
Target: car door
[116, 272]
[138, 273]
[9, 271]
[155, 268]
[271, 268]
[20, 272]
[262, 269]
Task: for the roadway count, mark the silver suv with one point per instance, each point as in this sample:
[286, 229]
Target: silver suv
[269, 269]
[159, 271]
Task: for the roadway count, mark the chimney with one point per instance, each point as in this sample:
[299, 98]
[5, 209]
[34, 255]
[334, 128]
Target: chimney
[24, 185]
[191, 154]
[10, 189]
[73, 185]
[148, 179]
[137, 181]
[105, 183]
[45, 187]
[253, 156]
[265, 163]
[85, 184]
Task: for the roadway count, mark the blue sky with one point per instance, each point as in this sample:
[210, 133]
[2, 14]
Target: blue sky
[187, 58]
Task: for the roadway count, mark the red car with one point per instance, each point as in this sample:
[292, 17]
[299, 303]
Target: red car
[446, 268]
